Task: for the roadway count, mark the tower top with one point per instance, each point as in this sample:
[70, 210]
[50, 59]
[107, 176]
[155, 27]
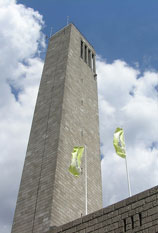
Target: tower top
[81, 34]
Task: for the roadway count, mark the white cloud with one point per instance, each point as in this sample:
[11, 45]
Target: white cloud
[129, 101]
[146, 85]
[118, 77]
[21, 41]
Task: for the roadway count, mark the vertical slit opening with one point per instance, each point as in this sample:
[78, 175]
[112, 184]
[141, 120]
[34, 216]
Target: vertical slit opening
[132, 219]
[124, 222]
[85, 54]
[89, 58]
[81, 49]
[140, 219]
[93, 62]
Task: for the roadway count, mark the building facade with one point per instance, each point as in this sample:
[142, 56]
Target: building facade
[66, 115]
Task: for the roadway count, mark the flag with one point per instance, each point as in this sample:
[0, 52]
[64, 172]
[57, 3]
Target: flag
[75, 167]
[119, 142]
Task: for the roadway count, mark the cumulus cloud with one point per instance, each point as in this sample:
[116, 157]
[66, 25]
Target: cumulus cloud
[127, 99]
[21, 42]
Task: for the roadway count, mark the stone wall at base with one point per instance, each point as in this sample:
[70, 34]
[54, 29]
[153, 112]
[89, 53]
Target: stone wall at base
[138, 214]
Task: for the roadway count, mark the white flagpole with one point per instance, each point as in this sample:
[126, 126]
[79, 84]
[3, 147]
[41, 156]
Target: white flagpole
[86, 179]
[128, 180]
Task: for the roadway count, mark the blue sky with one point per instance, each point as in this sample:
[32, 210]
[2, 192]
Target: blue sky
[125, 36]
[118, 29]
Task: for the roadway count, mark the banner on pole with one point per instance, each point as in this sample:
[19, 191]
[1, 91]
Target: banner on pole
[119, 142]
[75, 167]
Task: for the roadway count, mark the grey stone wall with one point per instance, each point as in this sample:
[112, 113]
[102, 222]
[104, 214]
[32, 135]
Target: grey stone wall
[66, 115]
[79, 126]
[33, 208]
[137, 214]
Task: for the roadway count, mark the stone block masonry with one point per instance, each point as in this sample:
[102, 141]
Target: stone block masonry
[136, 214]
[66, 115]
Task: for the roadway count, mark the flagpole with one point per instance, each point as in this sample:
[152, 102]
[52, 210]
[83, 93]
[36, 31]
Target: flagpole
[86, 179]
[129, 185]
[128, 179]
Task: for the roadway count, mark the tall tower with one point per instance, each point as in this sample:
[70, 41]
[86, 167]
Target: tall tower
[66, 115]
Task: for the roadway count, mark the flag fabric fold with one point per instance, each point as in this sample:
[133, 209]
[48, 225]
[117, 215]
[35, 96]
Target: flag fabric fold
[75, 167]
[119, 142]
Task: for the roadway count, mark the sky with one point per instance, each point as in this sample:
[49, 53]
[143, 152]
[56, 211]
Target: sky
[124, 34]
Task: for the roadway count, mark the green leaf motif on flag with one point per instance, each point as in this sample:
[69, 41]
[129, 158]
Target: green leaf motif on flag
[119, 142]
[75, 167]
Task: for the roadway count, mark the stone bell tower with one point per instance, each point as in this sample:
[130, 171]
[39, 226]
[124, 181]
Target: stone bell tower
[66, 115]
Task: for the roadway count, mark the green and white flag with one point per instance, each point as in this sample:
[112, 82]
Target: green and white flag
[75, 167]
[119, 142]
